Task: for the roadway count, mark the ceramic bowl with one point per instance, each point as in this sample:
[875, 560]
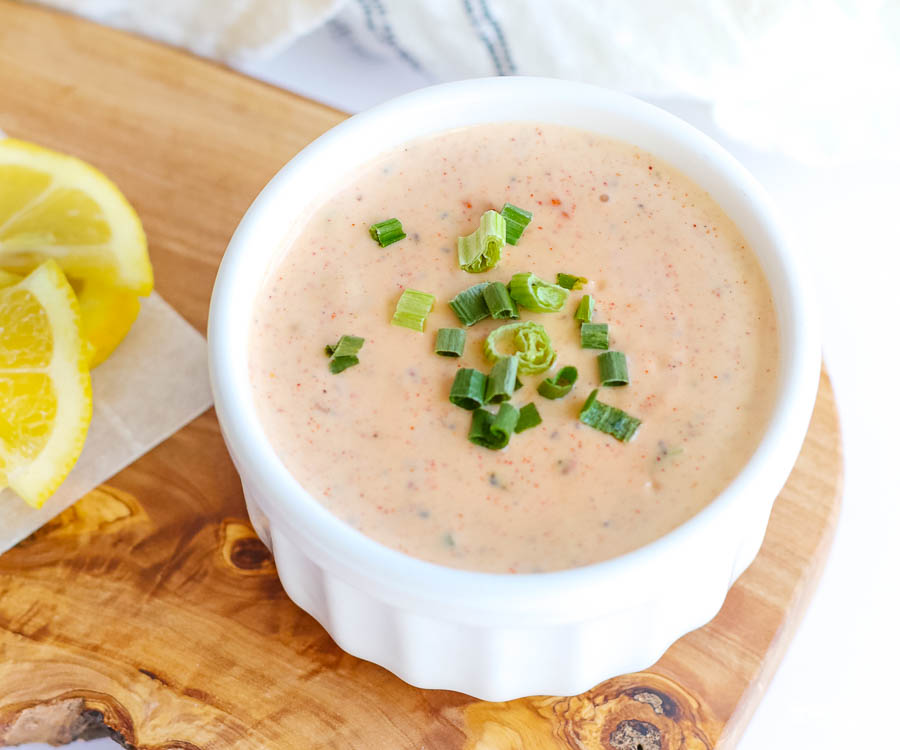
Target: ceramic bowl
[495, 636]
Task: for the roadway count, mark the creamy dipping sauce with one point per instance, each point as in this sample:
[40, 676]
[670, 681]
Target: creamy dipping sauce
[381, 446]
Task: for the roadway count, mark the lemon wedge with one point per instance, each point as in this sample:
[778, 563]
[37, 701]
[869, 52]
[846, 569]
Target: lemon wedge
[45, 384]
[107, 314]
[56, 206]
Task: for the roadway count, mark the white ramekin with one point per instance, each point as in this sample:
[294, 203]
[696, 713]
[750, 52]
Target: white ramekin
[494, 636]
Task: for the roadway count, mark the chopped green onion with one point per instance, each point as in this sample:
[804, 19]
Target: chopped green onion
[518, 384]
[595, 336]
[613, 368]
[387, 232]
[493, 430]
[469, 305]
[480, 430]
[608, 419]
[528, 340]
[498, 301]
[505, 422]
[481, 250]
[585, 311]
[343, 353]
[567, 281]
[340, 364]
[412, 309]
[560, 384]
[450, 342]
[536, 295]
[528, 418]
[502, 381]
[516, 221]
[468, 388]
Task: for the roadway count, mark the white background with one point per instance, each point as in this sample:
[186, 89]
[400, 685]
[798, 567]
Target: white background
[834, 688]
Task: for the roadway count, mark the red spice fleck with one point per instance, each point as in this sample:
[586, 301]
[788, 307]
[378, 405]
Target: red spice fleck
[554, 201]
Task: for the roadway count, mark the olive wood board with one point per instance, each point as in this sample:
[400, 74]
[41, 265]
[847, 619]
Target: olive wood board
[150, 611]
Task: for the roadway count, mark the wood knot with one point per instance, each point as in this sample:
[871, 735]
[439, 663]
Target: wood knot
[645, 711]
[58, 722]
[635, 735]
[640, 711]
[63, 721]
[243, 551]
[249, 554]
[661, 703]
[103, 510]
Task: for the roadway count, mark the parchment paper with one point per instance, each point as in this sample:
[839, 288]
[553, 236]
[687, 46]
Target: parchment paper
[151, 386]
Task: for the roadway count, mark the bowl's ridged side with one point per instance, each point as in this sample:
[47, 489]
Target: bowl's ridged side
[442, 651]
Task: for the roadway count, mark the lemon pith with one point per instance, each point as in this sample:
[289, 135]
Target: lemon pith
[45, 386]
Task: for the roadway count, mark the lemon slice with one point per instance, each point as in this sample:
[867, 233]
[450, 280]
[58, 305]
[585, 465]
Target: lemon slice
[107, 313]
[45, 385]
[56, 206]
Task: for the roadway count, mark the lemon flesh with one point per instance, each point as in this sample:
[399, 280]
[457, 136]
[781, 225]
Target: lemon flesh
[45, 385]
[107, 313]
[54, 206]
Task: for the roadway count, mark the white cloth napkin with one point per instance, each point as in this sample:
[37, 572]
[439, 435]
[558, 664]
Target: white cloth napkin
[818, 80]
[229, 30]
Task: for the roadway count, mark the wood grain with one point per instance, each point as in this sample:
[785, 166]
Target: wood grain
[151, 611]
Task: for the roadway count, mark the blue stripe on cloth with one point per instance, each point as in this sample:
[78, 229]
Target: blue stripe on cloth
[482, 34]
[385, 32]
[511, 68]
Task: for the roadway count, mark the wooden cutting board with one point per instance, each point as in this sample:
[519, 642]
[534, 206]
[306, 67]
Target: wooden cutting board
[151, 611]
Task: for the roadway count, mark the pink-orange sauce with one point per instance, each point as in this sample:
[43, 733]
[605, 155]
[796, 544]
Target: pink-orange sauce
[381, 446]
